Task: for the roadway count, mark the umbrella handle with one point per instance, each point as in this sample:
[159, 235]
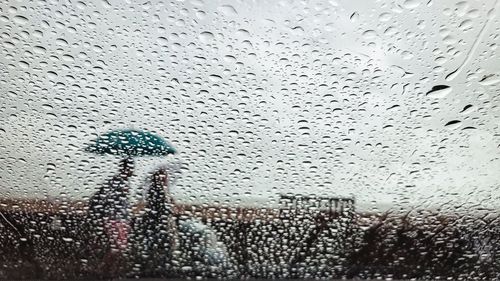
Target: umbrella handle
[127, 166]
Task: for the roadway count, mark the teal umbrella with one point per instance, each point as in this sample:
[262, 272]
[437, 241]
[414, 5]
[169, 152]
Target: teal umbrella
[131, 143]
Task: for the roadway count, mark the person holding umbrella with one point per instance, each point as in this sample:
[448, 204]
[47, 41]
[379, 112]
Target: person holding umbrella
[109, 206]
[109, 216]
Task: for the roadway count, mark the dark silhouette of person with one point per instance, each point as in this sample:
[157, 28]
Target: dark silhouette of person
[110, 219]
[156, 229]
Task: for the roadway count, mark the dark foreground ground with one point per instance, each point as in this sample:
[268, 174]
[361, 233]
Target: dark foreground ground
[422, 246]
[179, 279]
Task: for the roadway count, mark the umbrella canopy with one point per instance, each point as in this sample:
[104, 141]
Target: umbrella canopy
[131, 143]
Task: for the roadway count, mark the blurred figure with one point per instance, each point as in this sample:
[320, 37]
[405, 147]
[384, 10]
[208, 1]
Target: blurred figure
[156, 229]
[110, 218]
[202, 254]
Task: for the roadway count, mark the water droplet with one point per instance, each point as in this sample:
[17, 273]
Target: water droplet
[468, 109]
[37, 34]
[20, 20]
[162, 41]
[411, 4]
[453, 124]
[61, 42]
[228, 10]
[384, 17]
[68, 58]
[215, 78]
[369, 34]
[47, 106]
[206, 37]
[81, 5]
[9, 45]
[354, 17]
[51, 74]
[67, 239]
[466, 25]
[439, 91]
[39, 50]
[105, 3]
[24, 64]
[488, 80]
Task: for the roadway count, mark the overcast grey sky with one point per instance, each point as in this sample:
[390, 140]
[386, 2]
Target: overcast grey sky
[259, 97]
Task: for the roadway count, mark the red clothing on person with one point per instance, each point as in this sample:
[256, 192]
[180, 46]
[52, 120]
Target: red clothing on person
[118, 231]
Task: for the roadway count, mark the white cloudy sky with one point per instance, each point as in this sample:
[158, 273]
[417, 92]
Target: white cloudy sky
[259, 97]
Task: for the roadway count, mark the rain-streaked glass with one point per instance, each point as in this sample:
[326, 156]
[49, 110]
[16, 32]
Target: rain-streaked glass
[250, 139]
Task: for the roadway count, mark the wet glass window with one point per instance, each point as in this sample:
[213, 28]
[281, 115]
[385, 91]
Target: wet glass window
[250, 139]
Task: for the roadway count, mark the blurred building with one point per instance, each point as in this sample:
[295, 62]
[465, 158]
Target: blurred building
[292, 205]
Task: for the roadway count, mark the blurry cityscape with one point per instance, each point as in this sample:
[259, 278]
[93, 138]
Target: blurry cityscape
[307, 237]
